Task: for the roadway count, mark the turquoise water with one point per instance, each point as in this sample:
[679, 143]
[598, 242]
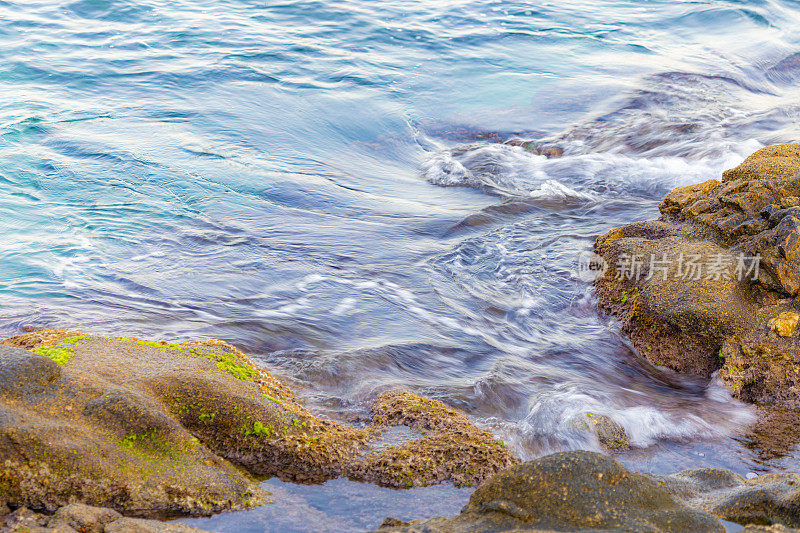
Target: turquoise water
[318, 183]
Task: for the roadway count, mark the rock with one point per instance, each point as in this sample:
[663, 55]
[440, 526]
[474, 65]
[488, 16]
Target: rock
[717, 279]
[152, 429]
[393, 522]
[775, 528]
[79, 518]
[549, 151]
[766, 499]
[610, 434]
[586, 491]
[785, 323]
[23, 518]
[778, 161]
[138, 525]
[57, 529]
[452, 448]
[775, 433]
[22, 374]
[570, 491]
[57, 446]
[84, 518]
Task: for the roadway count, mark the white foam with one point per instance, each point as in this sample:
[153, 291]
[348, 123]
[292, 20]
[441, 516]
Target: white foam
[718, 415]
[552, 190]
[506, 169]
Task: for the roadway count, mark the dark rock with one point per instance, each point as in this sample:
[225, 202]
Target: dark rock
[612, 436]
[22, 372]
[24, 518]
[767, 499]
[571, 491]
[585, 491]
[393, 522]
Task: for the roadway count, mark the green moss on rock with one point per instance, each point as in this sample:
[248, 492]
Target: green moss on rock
[149, 427]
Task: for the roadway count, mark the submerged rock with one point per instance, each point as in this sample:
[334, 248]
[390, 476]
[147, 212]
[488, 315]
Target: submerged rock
[153, 428]
[610, 434]
[586, 491]
[714, 283]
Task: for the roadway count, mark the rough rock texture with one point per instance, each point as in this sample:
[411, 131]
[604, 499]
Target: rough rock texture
[586, 491]
[610, 434]
[695, 301]
[152, 428]
[452, 448]
[767, 499]
[79, 518]
[570, 491]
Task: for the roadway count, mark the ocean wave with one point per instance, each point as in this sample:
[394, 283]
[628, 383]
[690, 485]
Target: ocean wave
[506, 170]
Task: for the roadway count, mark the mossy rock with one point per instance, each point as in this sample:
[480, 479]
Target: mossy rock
[735, 319]
[587, 491]
[155, 428]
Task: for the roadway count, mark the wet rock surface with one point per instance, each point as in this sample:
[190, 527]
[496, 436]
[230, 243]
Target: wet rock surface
[586, 491]
[152, 429]
[713, 284]
[610, 434]
[451, 448]
[79, 518]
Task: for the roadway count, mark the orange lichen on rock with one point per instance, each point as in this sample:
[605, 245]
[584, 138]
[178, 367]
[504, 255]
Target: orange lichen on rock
[785, 323]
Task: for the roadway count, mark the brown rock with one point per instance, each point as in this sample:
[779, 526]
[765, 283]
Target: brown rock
[781, 161]
[571, 491]
[611, 435]
[585, 491]
[450, 449]
[23, 518]
[740, 313]
[154, 428]
[84, 518]
[138, 525]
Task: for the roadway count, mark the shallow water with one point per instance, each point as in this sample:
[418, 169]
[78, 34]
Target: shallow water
[336, 506]
[317, 182]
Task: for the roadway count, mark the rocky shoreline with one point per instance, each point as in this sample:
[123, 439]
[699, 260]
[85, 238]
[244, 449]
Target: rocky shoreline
[711, 287]
[586, 491]
[154, 430]
[116, 434]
